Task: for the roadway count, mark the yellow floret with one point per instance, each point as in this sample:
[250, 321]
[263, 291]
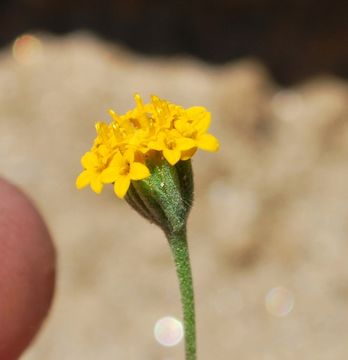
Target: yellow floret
[121, 148]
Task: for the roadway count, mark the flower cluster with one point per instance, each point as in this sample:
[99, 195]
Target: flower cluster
[122, 147]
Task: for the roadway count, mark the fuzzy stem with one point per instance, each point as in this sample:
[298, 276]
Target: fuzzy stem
[179, 248]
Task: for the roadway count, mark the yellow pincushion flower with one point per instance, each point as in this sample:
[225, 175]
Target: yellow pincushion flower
[121, 170]
[172, 145]
[122, 148]
[92, 174]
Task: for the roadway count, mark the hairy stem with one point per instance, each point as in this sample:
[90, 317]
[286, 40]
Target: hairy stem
[179, 247]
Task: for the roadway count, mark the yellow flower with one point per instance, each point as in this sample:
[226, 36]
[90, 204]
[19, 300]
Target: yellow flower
[121, 170]
[92, 173]
[194, 125]
[122, 147]
[172, 145]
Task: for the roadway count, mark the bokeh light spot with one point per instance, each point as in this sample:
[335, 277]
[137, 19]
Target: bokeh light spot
[279, 301]
[168, 331]
[27, 49]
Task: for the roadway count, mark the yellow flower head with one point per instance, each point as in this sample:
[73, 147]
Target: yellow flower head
[122, 147]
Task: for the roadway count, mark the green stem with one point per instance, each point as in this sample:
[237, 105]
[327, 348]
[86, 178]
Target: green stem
[178, 245]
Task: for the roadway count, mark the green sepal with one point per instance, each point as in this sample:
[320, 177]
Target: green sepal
[185, 175]
[165, 197]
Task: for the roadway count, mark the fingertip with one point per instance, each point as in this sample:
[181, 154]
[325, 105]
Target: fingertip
[27, 271]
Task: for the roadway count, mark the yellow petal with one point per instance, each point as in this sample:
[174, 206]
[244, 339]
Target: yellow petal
[103, 151]
[196, 112]
[200, 117]
[159, 143]
[172, 156]
[185, 143]
[89, 160]
[138, 171]
[117, 161]
[109, 175]
[96, 184]
[129, 155]
[208, 142]
[181, 125]
[82, 180]
[121, 186]
[155, 145]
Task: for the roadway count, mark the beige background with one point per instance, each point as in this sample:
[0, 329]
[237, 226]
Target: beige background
[271, 207]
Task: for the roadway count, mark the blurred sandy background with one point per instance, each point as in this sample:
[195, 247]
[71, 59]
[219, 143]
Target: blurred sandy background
[268, 231]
